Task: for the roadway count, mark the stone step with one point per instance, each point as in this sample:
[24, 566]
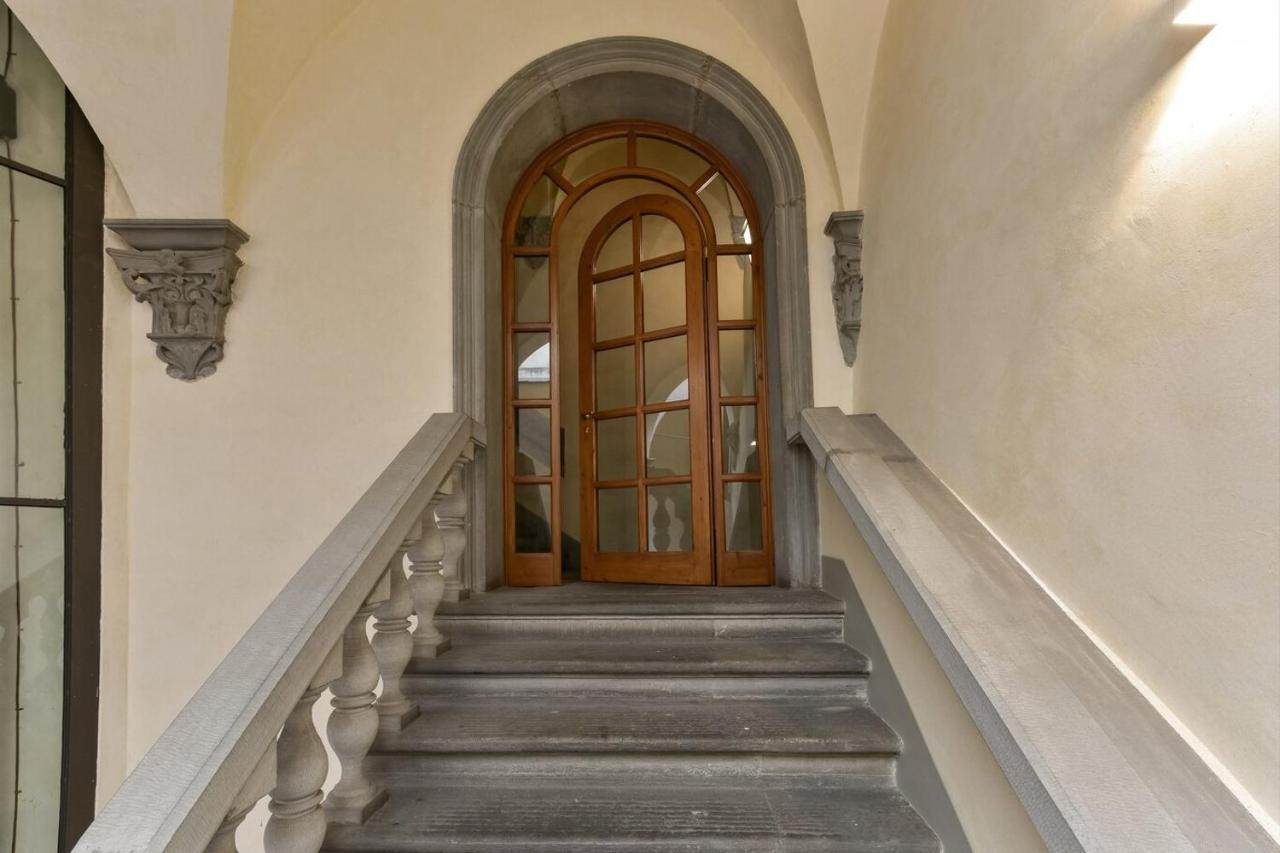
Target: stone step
[699, 667]
[642, 724]
[588, 769]
[493, 814]
[622, 611]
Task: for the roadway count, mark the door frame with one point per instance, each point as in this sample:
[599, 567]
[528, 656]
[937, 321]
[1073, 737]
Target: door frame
[544, 569]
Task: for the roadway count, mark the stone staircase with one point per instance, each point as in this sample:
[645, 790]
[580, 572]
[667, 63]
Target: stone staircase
[597, 717]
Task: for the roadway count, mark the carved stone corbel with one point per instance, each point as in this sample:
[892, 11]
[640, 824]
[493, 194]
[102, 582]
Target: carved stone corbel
[184, 269]
[844, 227]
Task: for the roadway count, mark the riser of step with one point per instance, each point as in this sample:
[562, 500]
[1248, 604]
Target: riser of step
[816, 626]
[834, 688]
[608, 769]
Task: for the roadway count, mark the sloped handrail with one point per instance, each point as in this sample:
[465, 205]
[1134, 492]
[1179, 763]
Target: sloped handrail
[184, 789]
[1095, 763]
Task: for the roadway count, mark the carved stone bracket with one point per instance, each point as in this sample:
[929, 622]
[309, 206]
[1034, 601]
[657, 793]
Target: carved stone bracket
[844, 227]
[184, 269]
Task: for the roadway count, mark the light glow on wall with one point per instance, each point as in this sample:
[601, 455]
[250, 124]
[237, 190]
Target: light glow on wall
[1199, 13]
[1227, 78]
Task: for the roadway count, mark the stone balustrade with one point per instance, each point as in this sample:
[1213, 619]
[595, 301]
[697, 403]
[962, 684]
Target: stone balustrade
[249, 733]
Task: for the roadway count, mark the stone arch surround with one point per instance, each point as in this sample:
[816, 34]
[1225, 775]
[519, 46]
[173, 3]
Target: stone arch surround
[632, 78]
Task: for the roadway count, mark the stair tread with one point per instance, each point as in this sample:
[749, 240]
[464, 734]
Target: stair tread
[604, 600]
[642, 724]
[687, 657]
[626, 817]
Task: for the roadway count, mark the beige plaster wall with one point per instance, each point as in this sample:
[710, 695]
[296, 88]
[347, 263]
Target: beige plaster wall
[339, 341]
[843, 37]
[1071, 315]
[989, 811]
[152, 79]
[123, 330]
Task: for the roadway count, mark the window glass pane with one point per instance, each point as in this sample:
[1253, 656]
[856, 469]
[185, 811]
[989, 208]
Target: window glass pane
[670, 514]
[31, 584]
[666, 443]
[666, 370]
[533, 301]
[533, 365]
[616, 449]
[727, 214]
[533, 442]
[533, 519]
[659, 236]
[32, 300]
[670, 158]
[615, 252]
[738, 363]
[593, 159]
[533, 227]
[739, 440]
[734, 288]
[742, 517]
[616, 523]
[664, 296]
[615, 307]
[40, 139]
[615, 378]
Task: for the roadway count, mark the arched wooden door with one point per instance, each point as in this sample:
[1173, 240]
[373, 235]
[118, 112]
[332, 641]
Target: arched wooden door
[682, 367]
[645, 436]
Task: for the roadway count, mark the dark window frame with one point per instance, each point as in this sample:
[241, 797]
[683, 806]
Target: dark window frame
[83, 268]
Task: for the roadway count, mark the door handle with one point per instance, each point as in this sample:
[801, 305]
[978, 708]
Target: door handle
[588, 416]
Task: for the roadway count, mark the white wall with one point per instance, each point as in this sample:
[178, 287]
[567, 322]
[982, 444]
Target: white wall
[1071, 315]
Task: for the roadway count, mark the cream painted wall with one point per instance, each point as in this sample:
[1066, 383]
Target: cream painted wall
[122, 328]
[1071, 315]
[339, 342]
[992, 816]
[843, 36]
[152, 79]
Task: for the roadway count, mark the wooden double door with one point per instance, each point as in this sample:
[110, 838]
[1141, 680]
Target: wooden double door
[636, 247]
[652, 488]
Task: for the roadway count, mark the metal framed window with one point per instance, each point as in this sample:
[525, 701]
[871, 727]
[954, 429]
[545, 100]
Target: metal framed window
[51, 200]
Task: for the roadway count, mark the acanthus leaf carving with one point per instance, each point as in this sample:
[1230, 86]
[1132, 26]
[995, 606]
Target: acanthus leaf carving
[187, 286]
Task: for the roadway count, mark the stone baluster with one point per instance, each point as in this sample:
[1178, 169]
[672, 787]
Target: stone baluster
[297, 823]
[257, 786]
[353, 725]
[426, 582]
[451, 517]
[393, 647]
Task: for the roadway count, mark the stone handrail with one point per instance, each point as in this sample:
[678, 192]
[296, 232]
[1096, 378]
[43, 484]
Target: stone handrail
[1096, 764]
[247, 732]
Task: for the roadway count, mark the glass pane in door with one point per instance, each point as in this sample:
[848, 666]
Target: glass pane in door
[664, 296]
[616, 449]
[615, 308]
[533, 442]
[533, 519]
[666, 370]
[616, 528]
[666, 437]
[670, 514]
[615, 378]
[743, 530]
